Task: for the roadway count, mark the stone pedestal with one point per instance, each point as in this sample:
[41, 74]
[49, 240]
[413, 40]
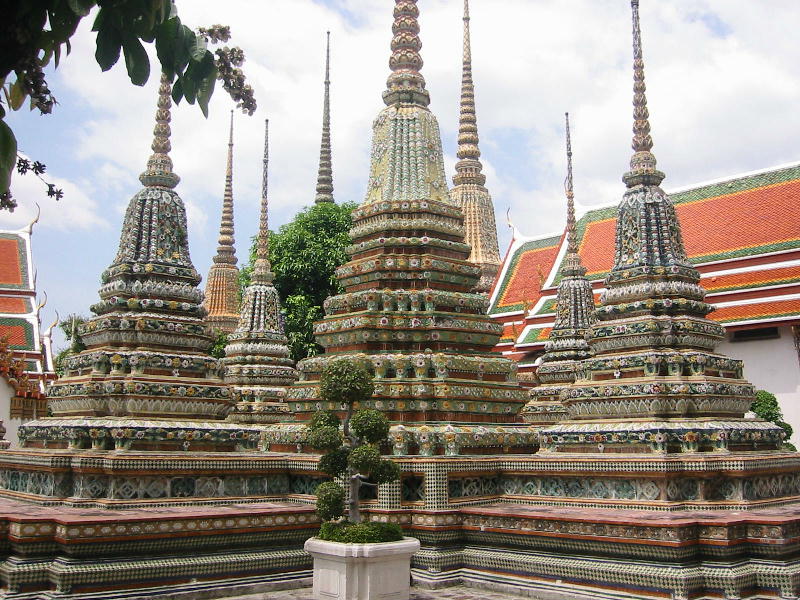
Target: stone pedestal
[362, 571]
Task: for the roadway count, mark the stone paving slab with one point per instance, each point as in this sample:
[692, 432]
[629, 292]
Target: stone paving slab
[450, 593]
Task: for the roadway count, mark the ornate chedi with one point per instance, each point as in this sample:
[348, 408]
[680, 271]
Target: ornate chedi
[222, 288]
[257, 363]
[470, 193]
[654, 383]
[407, 310]
[575, 314]
[146, 367]
[325, 172]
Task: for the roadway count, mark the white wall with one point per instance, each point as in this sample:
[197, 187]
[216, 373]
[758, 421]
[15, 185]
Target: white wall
[6, 393]
[772, 365]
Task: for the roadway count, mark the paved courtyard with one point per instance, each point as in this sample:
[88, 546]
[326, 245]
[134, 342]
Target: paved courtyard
[450, 593]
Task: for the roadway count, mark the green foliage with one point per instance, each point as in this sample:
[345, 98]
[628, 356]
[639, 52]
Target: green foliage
[334, 463]
[324, 418]
[217, 349]
[325, 439]
[69, 326]
[766, 407]
[34, 32]
[385, 471]
[371, 425]
[330, 501]
[304, 255]
[344, 381]
[364, 459]
[373, 532]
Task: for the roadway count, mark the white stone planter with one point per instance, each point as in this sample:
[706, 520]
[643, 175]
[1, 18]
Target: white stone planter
[362, 571]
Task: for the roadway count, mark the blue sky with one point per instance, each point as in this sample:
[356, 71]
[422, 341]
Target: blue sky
[722, 80]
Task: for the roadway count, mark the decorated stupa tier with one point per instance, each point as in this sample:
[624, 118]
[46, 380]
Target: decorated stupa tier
[257, 363]
[407, 311]
[222, 287]
[654, 383]
[575, 314]
[147, 345]
[470, 192]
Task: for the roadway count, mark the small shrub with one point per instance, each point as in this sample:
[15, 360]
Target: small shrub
[325, 438]
[370, 425]
[363, 459]
[372, 532]
[324, 418]
[343, 382]
[335, 462]
[330, 501]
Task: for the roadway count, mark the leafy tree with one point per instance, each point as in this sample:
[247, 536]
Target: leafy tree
[351, 452]
[35, 32]
[766, 407]
[70, 326]
[217, 349]
[305, 254]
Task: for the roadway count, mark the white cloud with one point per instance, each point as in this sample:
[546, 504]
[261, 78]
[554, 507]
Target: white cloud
[722, 90]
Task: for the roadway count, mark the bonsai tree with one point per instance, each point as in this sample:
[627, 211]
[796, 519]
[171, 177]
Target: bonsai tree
[350, 451]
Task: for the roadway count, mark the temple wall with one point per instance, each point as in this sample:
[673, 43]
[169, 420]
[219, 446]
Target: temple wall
[6, 393]
[772, 365]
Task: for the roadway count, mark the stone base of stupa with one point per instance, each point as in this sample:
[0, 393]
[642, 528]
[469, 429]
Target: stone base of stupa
[690, 525]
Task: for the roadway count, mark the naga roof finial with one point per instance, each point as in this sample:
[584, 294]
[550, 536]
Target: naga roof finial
[262, 272]
[159, 166]
[469, 167]
[325, 173]
[406, 84]
[226, 252]
[643, 162]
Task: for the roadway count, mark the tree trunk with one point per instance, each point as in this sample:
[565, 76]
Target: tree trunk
[355, 486]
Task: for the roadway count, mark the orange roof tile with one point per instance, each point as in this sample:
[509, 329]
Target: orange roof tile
[13, 305]
[10, 263]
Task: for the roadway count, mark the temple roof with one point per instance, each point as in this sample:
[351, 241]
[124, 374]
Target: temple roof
[742, 233]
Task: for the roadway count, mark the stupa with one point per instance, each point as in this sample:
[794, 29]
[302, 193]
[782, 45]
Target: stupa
[407, 310]
[654, 384]
[325, 172]
[257, 363]
[145, 377]
[222, 288]
[575, 314]
[470, 192]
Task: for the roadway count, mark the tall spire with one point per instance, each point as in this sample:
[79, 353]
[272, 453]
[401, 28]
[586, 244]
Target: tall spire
[262, 269]
[222, 287]
[469, 192]
[257, 363]
[406, 83]
[572, 245]
[469, 167]
[226, 252]
[159, 166]
[325, 173]
[643, 162]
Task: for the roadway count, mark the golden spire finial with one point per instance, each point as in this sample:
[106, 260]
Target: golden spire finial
[325, 173]
[469, 167]
[262, 270]
[643, 162]
[159, 166]
[406, 83]
[226, 252]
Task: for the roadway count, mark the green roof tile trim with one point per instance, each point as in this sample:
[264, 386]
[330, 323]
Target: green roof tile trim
[774, 315]
[22, 261]
[705, 192]
[527, 246]
[27, 328]
[535, 335]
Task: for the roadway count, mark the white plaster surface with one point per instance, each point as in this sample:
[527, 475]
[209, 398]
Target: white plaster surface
[362, 571]
[772, 365]
[11, 425]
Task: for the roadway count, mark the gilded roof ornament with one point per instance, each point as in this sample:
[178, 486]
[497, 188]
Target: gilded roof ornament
[325, 172]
